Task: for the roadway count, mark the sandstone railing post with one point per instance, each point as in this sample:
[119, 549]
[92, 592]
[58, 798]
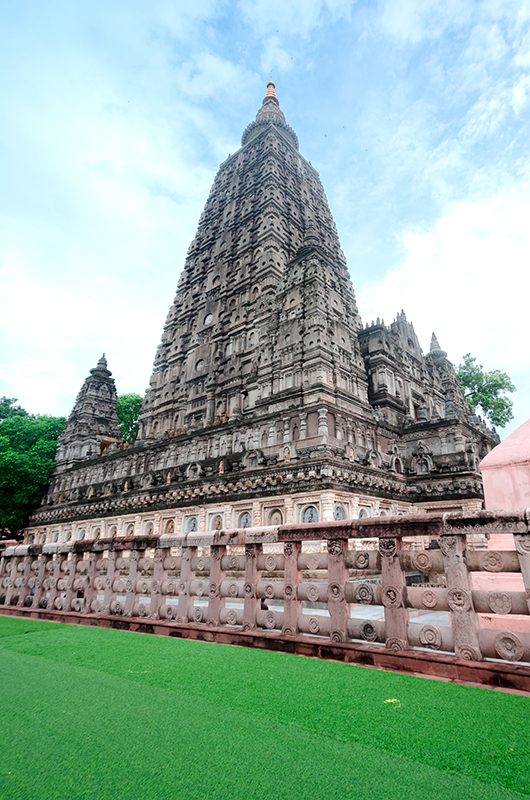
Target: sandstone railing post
[156, 583]
[24, 587]
[522, 547]
[393, 595]
[12, 576]
[215, 601]
[251, 602]
[464, 620]
[130, 598]
[185, 601]
[339, 610]
[70, 575]
[291, 603]
[54, 577]
[108, 593]
[39, 580]
[90, 586]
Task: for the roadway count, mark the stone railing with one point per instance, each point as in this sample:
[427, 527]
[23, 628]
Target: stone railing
[454, 597]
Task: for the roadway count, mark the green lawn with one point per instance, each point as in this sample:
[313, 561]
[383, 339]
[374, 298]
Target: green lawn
[89, 713]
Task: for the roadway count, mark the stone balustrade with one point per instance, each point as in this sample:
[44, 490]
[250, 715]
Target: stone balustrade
[308, 582]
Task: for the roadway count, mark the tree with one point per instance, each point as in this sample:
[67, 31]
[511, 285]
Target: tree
[128, 407]
[27, 459]
[486, 390]
[9, 409]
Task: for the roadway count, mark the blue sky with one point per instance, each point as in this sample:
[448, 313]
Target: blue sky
[116, 115]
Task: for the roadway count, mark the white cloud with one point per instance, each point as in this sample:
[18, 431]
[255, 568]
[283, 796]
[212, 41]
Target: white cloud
[466, 278]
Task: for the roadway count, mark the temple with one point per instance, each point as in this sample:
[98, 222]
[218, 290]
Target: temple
[270, 402]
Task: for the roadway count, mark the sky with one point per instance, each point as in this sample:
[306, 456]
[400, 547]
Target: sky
[116, 114]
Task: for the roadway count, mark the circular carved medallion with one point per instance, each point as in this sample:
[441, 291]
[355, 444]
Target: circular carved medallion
[392, 596]
[431, 637]
[361, 560]
[500, 602]
[509, 646]
[422, 561]
[458, 600]
[492, 562]
[364, 593]
[368, 632]
[314, 626]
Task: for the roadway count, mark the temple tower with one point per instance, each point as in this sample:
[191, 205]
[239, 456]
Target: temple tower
[93, 423]
[269, 401]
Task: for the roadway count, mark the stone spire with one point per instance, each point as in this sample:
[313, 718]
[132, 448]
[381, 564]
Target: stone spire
[264, 271]
[270, 113]
[93, 424]
[435, 347]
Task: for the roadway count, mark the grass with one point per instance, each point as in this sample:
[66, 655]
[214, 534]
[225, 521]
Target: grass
[92, 713]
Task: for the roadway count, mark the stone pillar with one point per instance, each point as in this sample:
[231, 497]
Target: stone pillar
[251, 602]
[39, 580]
[271, 440]
[464, 620]
[12, 575]
[90, 590]
[185, 602]
[215, 601]
[522, 547]
[393, 595]
[70, 577]
[339, 610]
[303, 424]
[323, 422]
[286, 431]
[291, 604]
[24, 587]
[108, 594]
[130, 598]
[156, 583]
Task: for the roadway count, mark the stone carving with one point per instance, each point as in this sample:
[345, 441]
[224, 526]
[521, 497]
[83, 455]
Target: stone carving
[288, 549]
[337, 636]
[233, 590]
[447, 545]
[361, 560]
[313, 593]
[431, 637]
[467, 652]
[500, 602]
[270, 620]
[335, 592]
[314, 625]
[364, 593]
[458, 600]
[428, 599]
[369, 632]
[491, 561]
[198, 614]
[422, 562]
[509, 646]
[396, 645]
[335, 547]
[288, 591]
[522, 544]
[270, 562]
[269, 590]
[392, 596]
[287, 630]
[231, 617]
[388, 547]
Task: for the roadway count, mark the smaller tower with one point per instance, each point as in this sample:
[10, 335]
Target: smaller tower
[93, 424]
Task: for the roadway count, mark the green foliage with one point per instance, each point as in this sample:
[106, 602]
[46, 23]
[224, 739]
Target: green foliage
[486, 390]
[160, 719]
[27, 458]
[9, 409]
[128, 407]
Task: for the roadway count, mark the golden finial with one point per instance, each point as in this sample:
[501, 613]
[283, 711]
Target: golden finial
[271, 90]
